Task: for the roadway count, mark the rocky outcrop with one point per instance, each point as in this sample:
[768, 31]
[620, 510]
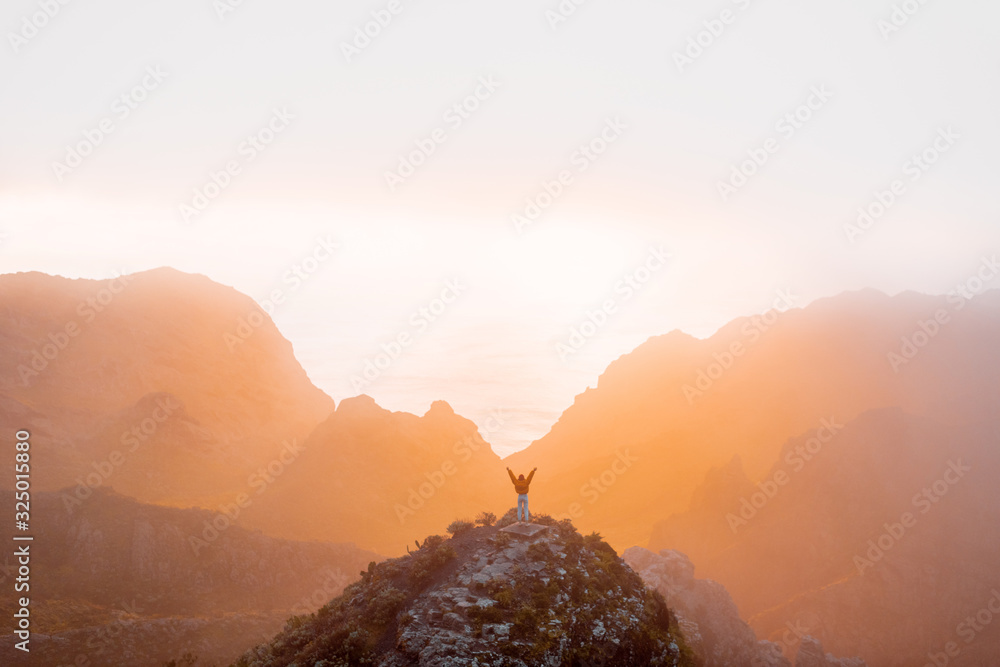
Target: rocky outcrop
[706, 614]
[711, 622]
[485, 597]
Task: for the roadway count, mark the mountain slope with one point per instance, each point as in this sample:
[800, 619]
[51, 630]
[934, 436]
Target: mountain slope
[382, 479]
[881, 540]
[176, 390]
[632, 450]
[146, 365]
[111, 577]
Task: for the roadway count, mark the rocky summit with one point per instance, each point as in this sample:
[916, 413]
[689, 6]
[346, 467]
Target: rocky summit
[486, 596]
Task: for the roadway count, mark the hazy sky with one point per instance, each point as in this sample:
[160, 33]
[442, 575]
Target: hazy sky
[112, 115]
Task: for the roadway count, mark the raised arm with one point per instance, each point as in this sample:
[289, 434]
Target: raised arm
[530, 475]
[511, 473]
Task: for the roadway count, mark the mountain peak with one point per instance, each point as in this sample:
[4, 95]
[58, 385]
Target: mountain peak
[362, 404]
[489, 596]
[161, 356]
[440, 408]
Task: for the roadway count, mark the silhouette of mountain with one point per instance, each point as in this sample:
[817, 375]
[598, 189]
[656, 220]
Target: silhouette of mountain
[185, 382]
[782, 454]
[382, 479]
[176, 390]
[664, 414]
[880, 541]
[122, 582]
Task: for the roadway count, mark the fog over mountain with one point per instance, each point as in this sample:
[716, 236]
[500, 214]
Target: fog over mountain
[678, 406]
[830, 466]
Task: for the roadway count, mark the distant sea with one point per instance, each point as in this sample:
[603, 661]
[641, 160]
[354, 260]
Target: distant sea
[479, 371]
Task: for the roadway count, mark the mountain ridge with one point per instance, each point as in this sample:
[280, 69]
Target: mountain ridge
[827, 360]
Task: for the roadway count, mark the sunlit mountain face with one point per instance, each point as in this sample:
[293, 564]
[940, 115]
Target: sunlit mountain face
[292, 295]
[832, 463]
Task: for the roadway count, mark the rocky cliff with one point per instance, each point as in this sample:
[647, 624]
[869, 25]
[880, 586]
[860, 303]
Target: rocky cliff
[711, 622]
[705, 612]
[489, 597]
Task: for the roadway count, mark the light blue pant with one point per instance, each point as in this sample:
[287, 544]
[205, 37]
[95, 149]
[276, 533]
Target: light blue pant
[522, 501]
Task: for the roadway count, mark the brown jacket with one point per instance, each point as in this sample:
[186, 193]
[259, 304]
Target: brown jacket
[521, 486]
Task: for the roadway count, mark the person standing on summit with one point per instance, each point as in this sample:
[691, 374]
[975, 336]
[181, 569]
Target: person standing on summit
[521, 486]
